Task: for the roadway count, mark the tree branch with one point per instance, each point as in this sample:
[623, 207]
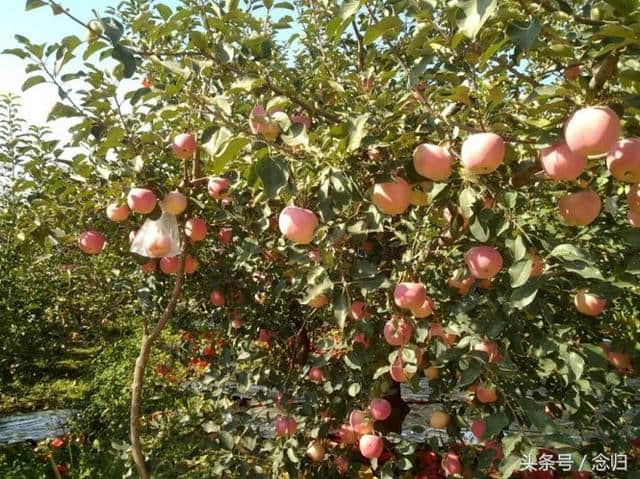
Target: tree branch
[360, 46]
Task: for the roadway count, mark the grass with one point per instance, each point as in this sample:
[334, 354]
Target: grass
[51, 385]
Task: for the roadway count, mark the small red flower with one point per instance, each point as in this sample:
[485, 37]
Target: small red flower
[57, 442]
[199, 363]
[207, 352]
[162, 369]
[62, 470]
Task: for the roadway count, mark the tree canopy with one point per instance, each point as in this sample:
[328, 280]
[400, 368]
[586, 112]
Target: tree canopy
[506, 282]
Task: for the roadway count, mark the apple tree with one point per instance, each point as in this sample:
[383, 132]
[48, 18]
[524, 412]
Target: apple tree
[347, 197]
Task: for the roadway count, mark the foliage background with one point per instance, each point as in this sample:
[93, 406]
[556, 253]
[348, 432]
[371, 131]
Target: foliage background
[385, 75]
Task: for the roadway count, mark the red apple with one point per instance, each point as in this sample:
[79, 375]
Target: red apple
[398, 331]
[91, 242]
[117, 213]
[285, 426]
[316, 375]
[217, 298]
[195, 229]
[491, 349]
[581, 208]
[633, 198]
[571, 73]
[623, 160]
[592, 130]
[169, 264]
[190, 264]
[298, 224]
[484, 262]
[380, 409]
[588, 303]
[410, 295]
[174, 203]
[439, 419]
[359, 310]
[451, 464]
[478, 428]
[482, 153]
[425, 310]
[158, 245]
[218, 187]
[486, 394]
[371, 446]
[141, 200]
[432, 162]
[392, 198]
[560, 163]
[225, 235]
[184, 145]
[315, 451]
[149, 266]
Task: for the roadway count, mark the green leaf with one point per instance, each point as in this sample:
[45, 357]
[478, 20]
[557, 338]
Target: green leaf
[173, 66]
[349, 9]
[246, 84]
[519, 248]
[16, 52]
[114, 137]
[495, 423]
[520, 272]
[477, 12]
[536, 414]
[524, 36]
[338, 24]
[583, 269]
[138, 94]
[509, 465]
[318, 282]
[479, 230]
[60, 110]
[467, 199]
[226, 439]
[113, 29]
[92, 48]
[164, 11]
[568, 252]
[510, 442]
[470, 374]
[33, 4]
[229, 152]
[274, 175]
[576, 363]
[354, 389]
[357, 131]
[199, 40]
[577, 261]
[340, 308]
[125, 56]
[355, 362]
[385, 25]
[524, 295]
[33, 81]
[291, 454]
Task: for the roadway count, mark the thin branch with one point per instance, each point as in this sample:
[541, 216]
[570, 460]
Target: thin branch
[579, 19]
[360, 45]
[66, 95]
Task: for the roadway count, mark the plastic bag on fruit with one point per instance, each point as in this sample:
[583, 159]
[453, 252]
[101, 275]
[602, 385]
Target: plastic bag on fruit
[157, 238]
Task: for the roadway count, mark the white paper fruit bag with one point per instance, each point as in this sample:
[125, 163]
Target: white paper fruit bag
[158, 238]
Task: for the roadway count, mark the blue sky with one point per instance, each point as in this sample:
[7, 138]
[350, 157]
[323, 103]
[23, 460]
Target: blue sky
[41, 26]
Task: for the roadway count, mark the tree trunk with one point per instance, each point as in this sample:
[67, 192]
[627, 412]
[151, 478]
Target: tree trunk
[138, 375]
[136, 399]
